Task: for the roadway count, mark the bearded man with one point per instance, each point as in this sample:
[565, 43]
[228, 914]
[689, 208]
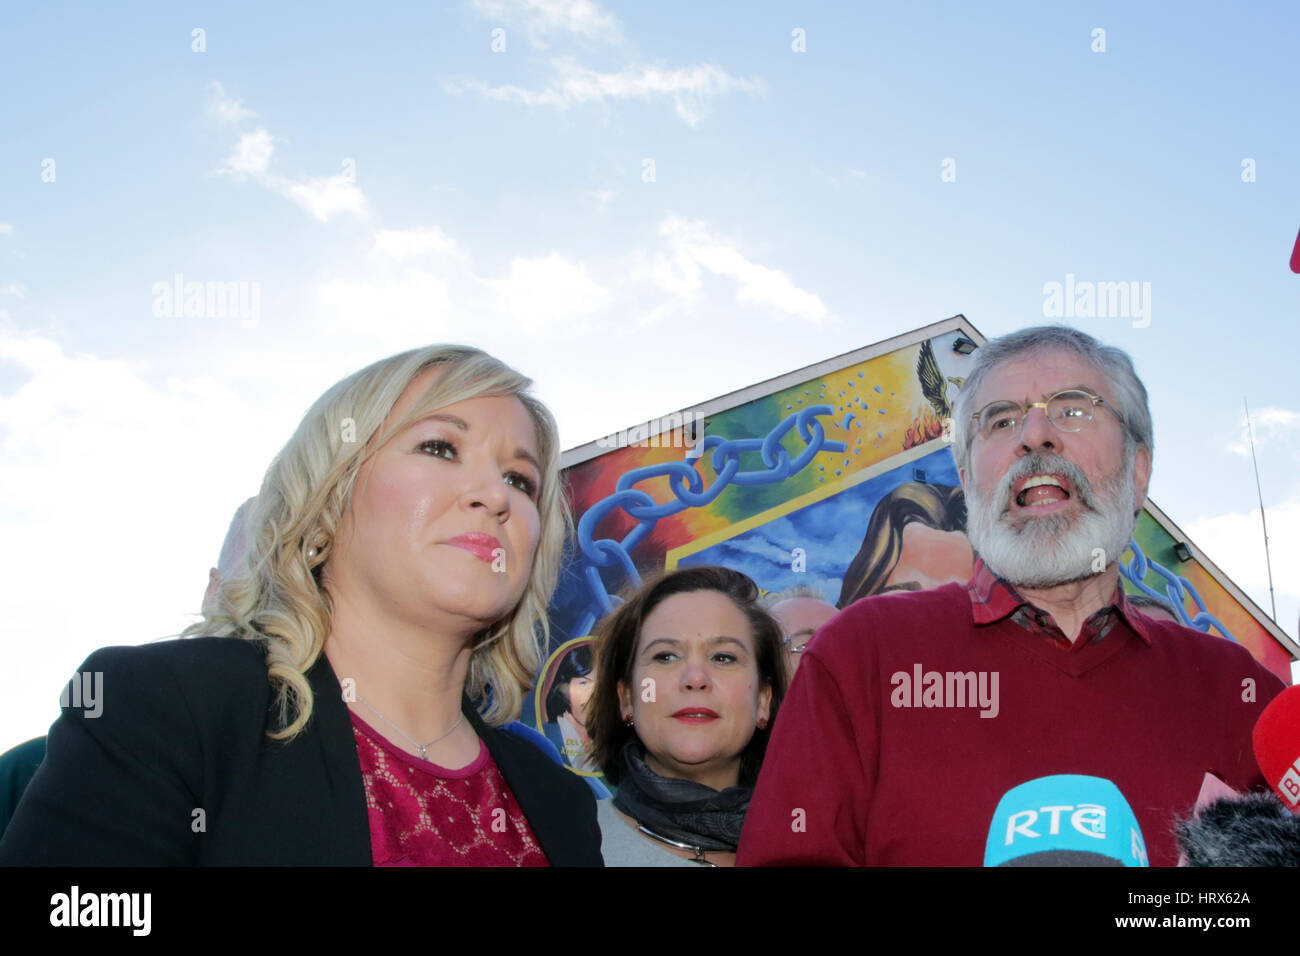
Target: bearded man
[914, 712]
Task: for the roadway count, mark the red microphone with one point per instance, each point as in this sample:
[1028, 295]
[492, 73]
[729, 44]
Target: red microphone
[1276, 739]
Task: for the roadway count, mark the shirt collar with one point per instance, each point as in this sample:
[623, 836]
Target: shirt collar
[993, 599]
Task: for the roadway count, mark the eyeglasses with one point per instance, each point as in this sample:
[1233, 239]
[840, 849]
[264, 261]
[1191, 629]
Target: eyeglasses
[1070, 411]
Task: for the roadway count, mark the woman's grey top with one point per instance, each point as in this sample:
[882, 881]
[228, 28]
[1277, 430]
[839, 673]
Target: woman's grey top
[621, 844]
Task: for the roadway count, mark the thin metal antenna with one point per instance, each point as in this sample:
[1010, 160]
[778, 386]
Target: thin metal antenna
[1268, 563]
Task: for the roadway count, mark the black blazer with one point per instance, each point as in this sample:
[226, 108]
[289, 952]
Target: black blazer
[177, 770]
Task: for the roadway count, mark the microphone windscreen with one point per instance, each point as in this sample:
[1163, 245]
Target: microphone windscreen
[1249, 829]
[1065, 820]
[1276, 739]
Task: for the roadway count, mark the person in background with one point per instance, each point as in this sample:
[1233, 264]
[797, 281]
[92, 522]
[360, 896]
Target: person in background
[800, 611]
[689, 681]
[17, 767]
[234, 549]
[349, 686]
[1154, 608]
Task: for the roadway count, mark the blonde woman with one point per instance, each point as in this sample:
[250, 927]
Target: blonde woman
[344, 702]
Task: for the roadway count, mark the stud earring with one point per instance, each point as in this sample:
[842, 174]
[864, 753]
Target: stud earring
[315, 550]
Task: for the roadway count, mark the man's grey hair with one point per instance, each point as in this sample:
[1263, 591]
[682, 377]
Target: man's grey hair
[1126, 389]
[798, 591]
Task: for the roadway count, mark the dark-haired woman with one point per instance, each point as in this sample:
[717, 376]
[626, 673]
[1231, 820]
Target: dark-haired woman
[689, 681]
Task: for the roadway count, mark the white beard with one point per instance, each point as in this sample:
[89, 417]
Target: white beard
[1058, 548]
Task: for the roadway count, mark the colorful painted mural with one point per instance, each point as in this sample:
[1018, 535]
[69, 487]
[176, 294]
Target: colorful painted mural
[842, 481]
[1198, 594]
[903, 527]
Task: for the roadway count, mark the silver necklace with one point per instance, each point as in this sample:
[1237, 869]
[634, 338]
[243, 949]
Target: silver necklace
[697, 850]
[414, 743]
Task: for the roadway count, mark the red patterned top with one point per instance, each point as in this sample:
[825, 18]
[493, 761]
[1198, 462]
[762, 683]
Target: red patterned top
[425, 815]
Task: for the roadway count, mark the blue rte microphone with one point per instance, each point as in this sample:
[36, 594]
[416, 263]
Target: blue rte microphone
[1065, 820]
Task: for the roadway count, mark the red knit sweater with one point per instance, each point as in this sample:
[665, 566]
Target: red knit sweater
[852, 777]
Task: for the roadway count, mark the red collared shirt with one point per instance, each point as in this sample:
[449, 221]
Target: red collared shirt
[993, 599]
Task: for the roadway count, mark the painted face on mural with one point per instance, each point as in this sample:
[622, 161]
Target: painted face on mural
[930, 557]
[580, 690]
[1083, 515]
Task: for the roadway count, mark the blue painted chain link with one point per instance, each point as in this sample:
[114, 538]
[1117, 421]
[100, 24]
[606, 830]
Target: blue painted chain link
[688, 492]
[1177, 589]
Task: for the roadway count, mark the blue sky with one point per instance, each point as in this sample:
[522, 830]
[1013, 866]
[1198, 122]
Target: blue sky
[641, 206]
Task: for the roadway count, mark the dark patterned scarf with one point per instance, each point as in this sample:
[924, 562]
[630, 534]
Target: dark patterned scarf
[680, 809]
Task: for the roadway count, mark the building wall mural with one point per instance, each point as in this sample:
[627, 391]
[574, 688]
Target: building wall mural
[1222, 615]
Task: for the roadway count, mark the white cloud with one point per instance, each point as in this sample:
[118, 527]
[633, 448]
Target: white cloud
[405, 243]
[547, 290]
[651, 316]
[101, 462]
[1270, 424]
[693, 248]
[1235, 542]
[848, 176]
[690, 88]
[419, 283]
[31, 351]
[252, 154]
[6, 228]
[322, 196]
[602, 198]
[398, 295]
[14, 289]
[825, 177]
[541, 18]
[226, 109]
[410, 307]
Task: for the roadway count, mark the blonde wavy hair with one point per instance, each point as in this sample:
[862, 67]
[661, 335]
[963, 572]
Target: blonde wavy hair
[275, 594]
